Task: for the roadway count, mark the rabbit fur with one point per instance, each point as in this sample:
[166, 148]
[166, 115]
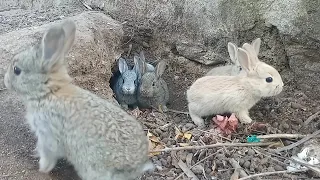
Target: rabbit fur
[227, 94]
[234, 68]
[127, 82]
[101, 140]
[153, 90]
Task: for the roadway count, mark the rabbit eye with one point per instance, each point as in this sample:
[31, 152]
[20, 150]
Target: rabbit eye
[16, 70]
[269, 79]
[240, 68]
[153, 84]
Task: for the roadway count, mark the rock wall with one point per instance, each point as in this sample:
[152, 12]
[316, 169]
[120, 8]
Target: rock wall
[200, 29]
[97, 46]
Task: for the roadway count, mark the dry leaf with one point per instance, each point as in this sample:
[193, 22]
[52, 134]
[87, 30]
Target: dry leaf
[187, 135]
[179, 134]
[154, 144]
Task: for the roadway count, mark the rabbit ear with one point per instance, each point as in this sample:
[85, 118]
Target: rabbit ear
[161, 66]
[56, 42]
[142, 56]
[123, 67]
[252, 53]
[232, 49]
[69, 28]
[244, 59]
[256, 45]
[137, 66]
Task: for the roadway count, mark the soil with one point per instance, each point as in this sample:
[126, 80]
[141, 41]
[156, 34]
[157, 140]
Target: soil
[284, 113]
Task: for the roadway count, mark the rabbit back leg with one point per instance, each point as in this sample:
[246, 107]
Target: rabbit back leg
[243, 116]
[197, 119]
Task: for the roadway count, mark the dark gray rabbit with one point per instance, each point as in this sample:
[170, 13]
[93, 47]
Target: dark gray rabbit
[127, 83]
[100, 139]
[153, 90]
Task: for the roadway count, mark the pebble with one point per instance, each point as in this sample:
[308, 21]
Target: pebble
[278, 168]
[158, 131]
[176, 77]
[198, 169]
[251, 152]
[285, 126]
[164, 162]
[295, 105]
[241, 162]
[246, 164]
[271, 169]
[187, 127]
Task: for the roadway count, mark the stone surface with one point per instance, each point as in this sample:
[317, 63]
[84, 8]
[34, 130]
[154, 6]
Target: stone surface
[199, 30]
[95, 50]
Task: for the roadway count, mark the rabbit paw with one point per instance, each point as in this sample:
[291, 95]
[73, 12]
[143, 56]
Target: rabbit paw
[46, 164]
[244, 117]
[125, 106]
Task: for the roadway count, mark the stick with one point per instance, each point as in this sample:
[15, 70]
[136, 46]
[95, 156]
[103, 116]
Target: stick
[187, 171]
[200, 162]
[213, 146]
[236, 165]
[2, 89]
[179, 112]
[311, 118]
[298, 142]
[86, 5]
[288, 136]
[270, 173]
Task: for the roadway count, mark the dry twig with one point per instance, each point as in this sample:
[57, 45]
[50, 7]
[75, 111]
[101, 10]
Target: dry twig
[213, 146]
[86, 5]
[288, 136]
[303, 140]
[187, 171]
[270, 173]
[179, 112]
[311, 118]
[236, 165]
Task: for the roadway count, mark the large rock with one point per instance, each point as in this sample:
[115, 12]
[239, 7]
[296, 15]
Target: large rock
[199, 30]
[96, 47]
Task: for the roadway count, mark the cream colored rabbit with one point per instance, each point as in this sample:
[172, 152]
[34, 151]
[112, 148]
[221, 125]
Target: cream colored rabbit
[234, 94]
[102, 141]
[234, 68]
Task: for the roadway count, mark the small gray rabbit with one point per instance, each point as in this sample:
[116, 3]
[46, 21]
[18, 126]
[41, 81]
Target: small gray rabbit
[127, 83]
[99, 138]
[153, 90]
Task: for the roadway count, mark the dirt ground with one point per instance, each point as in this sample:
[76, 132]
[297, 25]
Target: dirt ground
[284, 113]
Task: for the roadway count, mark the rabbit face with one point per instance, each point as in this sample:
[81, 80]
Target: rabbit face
[148, 84]
[267, 79]
[40, 69]
[129, 79]
[264, 79]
